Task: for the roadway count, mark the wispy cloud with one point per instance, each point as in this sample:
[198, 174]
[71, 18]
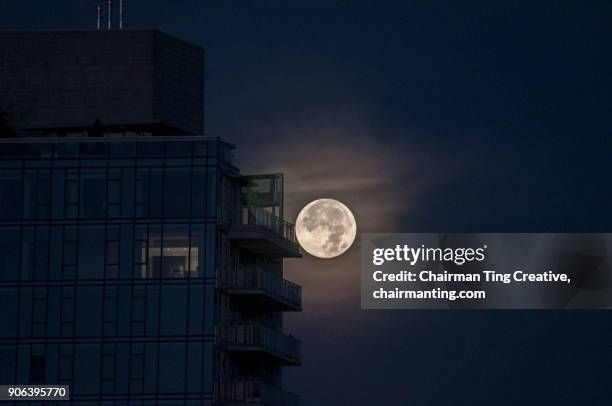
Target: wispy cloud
[379, 182]
[316, 126]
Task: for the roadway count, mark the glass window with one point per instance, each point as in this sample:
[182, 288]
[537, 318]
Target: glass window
[27, 253]
[173, 310]
[112, 252]
[91, 252]
[11, 151]
[211, 193]
[71, 194]
[29, 195]
[86, 369]
[89, 311]
[156, 193]
[137, 368]
[153, 305]
[177, 192]
[93, 149]
[8, 360]
[178, 149]
[66, 362]
[200, 148]
[9, 249]
[67, 312]
[70, 253]
[196, 309]
[175, 257]
[198, 193]
[11, 194]
[37, 368]
[93, 196]
[150, 149]
[138, 309]
[171, 368]
[8, 304]
[142, 192]
[67, 150]
[41, 253]
[43, 199]
[114, 193]
[110, 309]
[114, 188]
[39, 309]
[109, 361]
[194, 367]
[38, 150]
[122, 149]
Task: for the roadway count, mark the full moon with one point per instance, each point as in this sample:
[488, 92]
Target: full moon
[326, 228]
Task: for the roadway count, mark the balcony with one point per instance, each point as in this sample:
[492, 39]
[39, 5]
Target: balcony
[255, 393]
[259, 344]
[261, 232]
[262, 288]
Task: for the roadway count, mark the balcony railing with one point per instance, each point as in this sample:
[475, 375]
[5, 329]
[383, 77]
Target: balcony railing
[257, 278]
[257, 338]
[256, 393]
[259, 217]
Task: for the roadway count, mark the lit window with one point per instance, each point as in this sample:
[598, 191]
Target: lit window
[175, 259]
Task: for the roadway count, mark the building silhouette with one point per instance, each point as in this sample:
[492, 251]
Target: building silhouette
[129, 81]
[137, 266]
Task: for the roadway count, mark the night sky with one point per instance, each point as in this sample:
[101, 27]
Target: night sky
[430, 116]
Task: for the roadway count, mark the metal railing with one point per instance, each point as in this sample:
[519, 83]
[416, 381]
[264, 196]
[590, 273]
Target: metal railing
[256, 335]
[260, 217]
[257, 277]
[258, 393]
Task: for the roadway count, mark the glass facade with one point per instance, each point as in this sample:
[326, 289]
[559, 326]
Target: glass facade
[112, 256]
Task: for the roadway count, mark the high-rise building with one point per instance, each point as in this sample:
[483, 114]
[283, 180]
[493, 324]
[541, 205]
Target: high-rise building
[143, 270]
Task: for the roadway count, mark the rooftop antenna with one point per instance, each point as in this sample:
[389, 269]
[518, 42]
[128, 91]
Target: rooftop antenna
[110, 12]
[98, 15]
[120, 14]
